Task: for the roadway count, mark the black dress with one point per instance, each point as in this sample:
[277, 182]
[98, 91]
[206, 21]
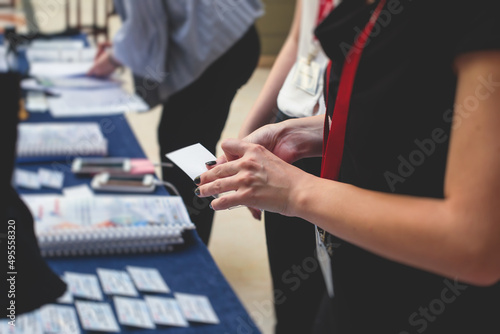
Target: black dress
[399, 123]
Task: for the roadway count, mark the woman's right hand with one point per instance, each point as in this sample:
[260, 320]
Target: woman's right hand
[101, 48]
[289, 140]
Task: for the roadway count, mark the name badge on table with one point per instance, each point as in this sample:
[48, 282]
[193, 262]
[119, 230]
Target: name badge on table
[307, 75]
[325, 263]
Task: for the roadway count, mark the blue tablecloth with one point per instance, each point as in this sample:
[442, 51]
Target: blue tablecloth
[189, 268]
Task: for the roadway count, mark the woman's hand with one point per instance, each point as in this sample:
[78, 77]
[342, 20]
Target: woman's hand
[289, 140]
[104, 63]
[102, 48]
[259, 178]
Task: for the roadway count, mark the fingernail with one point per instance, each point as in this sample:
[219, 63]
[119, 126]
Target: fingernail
[210, 206]
[197, 191]
[197, 180]
[210, 163]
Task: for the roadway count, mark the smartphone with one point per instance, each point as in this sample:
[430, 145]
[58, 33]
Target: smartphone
[100, 165]
[126, 183]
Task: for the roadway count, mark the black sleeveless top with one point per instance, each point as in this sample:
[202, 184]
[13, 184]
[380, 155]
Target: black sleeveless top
[399, 123]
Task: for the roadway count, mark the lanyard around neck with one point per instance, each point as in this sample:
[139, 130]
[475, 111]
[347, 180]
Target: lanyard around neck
[333, 142]
[325, 7]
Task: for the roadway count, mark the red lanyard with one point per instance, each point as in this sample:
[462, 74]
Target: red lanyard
[333, 142]
[325, 7]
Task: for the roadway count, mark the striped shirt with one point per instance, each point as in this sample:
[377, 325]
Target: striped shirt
[172, 42]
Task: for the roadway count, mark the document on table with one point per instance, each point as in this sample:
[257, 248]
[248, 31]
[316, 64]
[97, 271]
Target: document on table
[58, 43]
[79, 82]
[62, 54]
[52, 85]
[105, 101]
[59, 68]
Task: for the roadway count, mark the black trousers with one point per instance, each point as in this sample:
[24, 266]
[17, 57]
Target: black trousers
[297, 279]
[198, 113]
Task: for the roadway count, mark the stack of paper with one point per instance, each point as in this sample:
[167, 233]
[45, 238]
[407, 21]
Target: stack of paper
[107, 224]
[102, 101]
[56, 140]
[60, 68]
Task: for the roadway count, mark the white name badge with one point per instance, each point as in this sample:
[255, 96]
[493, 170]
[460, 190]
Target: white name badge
[148, 279]
[165, 311]
[196, 308]
[307, 75]
[95, 316]
[325, 263]
[133, 312]
[83, 285]
[116, 282]
[59, 319]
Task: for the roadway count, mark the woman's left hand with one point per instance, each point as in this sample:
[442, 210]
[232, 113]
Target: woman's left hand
[259, 178]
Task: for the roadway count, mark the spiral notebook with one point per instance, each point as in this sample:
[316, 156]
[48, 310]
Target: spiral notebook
[52, 141]
[101, 224]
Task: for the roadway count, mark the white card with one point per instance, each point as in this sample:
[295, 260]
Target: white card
[116, 282]
[192, 159]
[51, 178]
[59, 319]
[83, 285]
[29, 323]
[165, 311]
[197, 308]
[96, 316]
[148, 279]
[26, 179]
[133, 312]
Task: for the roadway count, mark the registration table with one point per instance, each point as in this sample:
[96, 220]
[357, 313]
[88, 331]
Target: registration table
[189, 268]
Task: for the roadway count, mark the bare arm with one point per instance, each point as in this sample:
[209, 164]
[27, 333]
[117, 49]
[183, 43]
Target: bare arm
[457, 237]
[264, 107]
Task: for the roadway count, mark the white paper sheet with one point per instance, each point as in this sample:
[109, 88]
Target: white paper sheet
[59, 69]
[57, 43]
[105, 101]
[61, 54]
[36, 101]
[82, 82]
